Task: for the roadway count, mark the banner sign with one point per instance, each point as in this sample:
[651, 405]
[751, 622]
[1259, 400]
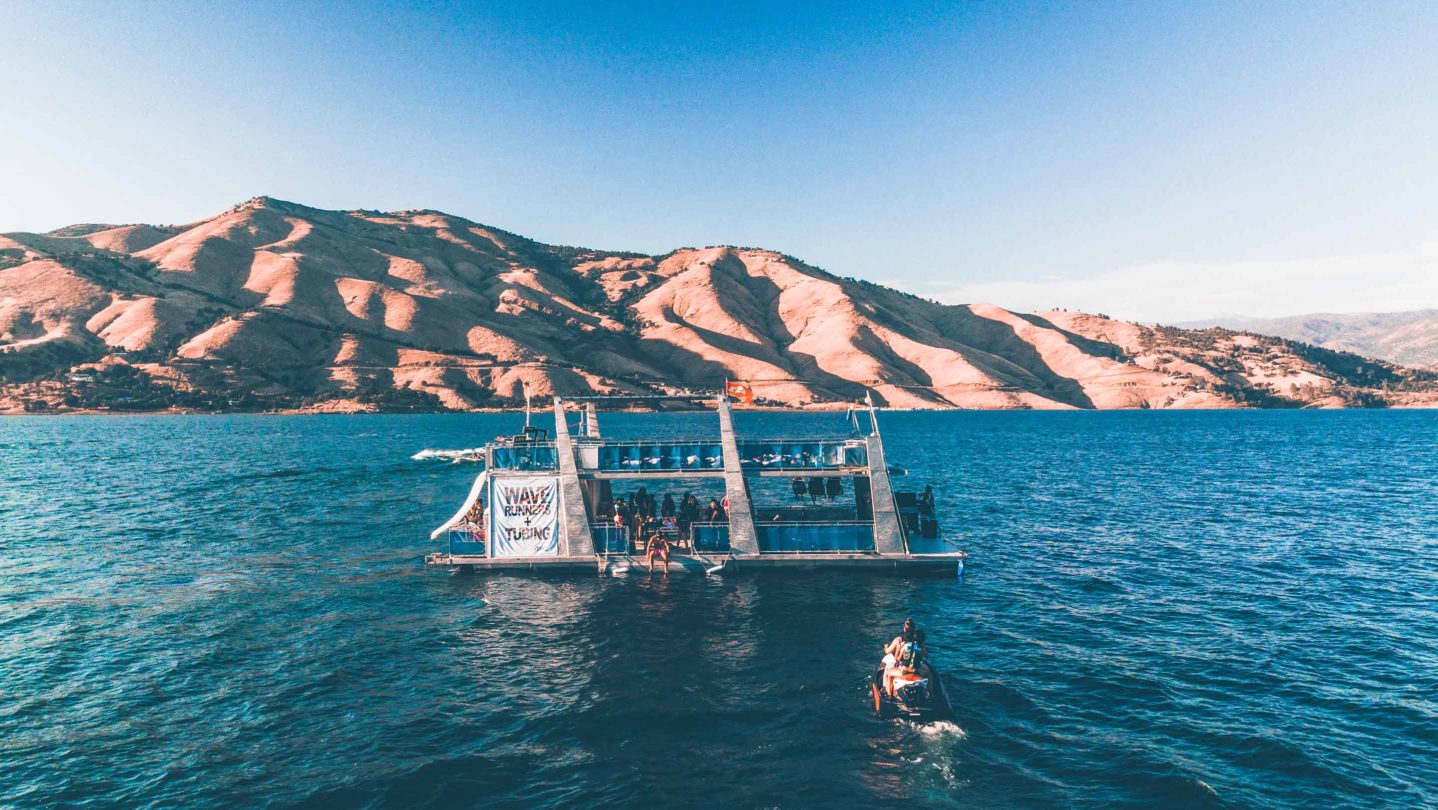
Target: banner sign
[524, 514]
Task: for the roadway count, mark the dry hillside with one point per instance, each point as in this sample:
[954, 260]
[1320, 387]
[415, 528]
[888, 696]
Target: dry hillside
[277, 305]
[1407, 338]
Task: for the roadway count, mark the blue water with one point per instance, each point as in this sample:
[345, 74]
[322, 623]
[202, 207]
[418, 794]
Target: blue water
[1162, 609]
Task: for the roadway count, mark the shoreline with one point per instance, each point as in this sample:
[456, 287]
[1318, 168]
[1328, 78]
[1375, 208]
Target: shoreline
[759, 409]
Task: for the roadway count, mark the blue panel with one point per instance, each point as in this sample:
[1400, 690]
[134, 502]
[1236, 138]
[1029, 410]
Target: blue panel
[815, 537]
[523, 457]
[610, 539]
[801, 455]
[464, 542]
[659, 456]
[710, 538]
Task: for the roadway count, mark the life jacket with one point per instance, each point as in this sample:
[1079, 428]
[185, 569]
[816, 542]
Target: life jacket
[911, 656]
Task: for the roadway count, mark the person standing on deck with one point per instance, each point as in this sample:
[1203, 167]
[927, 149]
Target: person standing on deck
[687, 512]
[666, 509]
[800, 488]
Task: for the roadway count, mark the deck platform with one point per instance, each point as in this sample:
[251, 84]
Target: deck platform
[908, 564]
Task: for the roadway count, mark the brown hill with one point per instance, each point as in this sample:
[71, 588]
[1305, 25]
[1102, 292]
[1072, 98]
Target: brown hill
[277, 305]
[1407, 338]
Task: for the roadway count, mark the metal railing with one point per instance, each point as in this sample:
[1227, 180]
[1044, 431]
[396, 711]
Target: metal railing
[468, 539]
[708, 536]
[802, 454]
[651, 456]
[610, 538]
[529, 456]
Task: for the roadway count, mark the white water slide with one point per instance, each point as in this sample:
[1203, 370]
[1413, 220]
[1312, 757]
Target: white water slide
[463, 510]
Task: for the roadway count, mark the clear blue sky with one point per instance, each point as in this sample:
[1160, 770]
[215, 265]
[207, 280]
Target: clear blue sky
[1134, 157]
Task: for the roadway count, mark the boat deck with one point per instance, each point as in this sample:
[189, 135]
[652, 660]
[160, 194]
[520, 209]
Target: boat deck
[936, 564]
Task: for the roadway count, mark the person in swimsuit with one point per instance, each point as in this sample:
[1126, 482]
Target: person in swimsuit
[905, 635]
[893, 650]
[658, 547]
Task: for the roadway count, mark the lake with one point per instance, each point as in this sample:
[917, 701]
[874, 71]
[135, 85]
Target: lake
[1226, 609]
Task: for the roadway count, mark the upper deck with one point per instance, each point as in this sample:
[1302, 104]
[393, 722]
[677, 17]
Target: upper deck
[602, 458]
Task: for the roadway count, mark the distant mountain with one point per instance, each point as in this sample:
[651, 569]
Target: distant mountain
[275, 305]
[1407, 338]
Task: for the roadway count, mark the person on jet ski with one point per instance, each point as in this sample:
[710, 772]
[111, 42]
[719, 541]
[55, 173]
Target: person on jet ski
[910, 658]
[913, 655]
[905, 635]
[892, 651]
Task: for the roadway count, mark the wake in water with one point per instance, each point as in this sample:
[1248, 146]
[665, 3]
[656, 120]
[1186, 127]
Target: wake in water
[938, 728]
[452, 456]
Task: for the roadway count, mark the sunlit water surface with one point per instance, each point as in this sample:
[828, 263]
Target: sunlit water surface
[1162, 609]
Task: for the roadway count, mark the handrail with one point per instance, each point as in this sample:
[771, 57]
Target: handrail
[603, 532]
[854, 440]
[813, 523]
[868, 551]
[653, 442]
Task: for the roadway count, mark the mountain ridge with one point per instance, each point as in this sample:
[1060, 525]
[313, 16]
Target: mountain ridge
[272, 304]
[1407, 338]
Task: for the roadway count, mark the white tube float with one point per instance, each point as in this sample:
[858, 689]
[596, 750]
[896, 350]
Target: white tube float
[463, 510]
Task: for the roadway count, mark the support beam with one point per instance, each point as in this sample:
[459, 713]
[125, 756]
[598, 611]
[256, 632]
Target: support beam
[742, 539]
[578, 540]
[888, 531]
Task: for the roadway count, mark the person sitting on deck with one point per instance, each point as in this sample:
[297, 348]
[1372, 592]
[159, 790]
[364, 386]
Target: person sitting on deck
[658, 547]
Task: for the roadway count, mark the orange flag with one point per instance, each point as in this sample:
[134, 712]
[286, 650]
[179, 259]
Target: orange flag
[740, 391]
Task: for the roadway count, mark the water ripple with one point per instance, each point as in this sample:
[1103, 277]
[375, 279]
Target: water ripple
[1199, 610]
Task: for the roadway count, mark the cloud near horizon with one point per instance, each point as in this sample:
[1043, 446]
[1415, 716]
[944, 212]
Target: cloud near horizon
[1172, 291]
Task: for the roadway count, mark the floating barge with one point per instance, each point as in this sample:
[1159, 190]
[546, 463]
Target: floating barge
[545, 503]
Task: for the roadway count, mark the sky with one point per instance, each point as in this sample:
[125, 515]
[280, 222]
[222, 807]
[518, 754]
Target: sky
[1152, 161]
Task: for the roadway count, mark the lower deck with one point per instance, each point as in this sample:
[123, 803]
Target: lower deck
[699, 563]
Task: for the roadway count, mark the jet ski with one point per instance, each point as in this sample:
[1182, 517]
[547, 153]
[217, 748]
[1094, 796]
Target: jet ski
[919, 696]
